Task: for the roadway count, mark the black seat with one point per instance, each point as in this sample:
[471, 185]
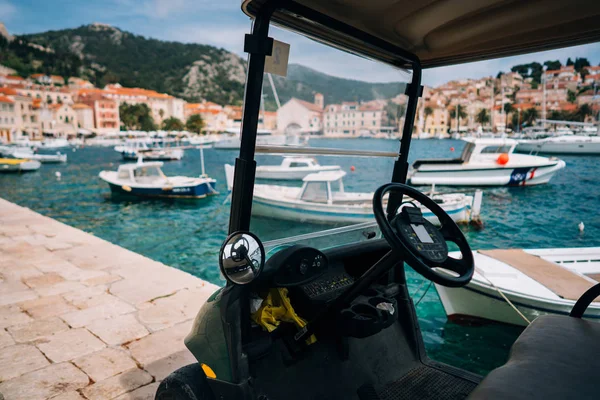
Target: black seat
[556, 357]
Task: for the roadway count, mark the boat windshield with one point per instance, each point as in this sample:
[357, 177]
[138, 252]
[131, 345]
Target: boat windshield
[360, 108]
[496, 149]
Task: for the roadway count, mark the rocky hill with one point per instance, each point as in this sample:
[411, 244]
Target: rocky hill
[105, 54]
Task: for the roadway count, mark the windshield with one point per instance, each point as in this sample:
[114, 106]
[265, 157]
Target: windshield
[322, 113]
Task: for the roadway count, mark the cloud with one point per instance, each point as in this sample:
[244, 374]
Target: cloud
[7, 10]
[229, 37]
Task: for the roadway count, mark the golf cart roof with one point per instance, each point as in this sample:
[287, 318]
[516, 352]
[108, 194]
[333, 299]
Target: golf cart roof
[439, 32]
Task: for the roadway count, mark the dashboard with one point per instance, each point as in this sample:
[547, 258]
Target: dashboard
[311, 277]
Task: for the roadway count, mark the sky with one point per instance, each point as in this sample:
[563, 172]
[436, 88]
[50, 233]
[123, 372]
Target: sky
[221, 23]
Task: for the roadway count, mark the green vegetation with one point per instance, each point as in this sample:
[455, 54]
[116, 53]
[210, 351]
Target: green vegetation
[195, 124]
[136, 117]
[482, 117]
[172, 124]
[458, 111]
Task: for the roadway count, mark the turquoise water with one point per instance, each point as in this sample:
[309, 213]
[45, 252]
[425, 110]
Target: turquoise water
[188, 234]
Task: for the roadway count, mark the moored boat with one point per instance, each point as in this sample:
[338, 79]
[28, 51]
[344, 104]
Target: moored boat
[323, 200]
[566, 144]
[146, 179]
[43, 158]
[293, 168]
[149, 149]
[535, 282]
[486, 162]
[18, 165]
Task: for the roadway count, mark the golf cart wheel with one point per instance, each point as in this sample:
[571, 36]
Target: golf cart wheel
[186, 383]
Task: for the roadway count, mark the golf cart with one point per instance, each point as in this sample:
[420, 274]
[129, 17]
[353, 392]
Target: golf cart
[338, 322]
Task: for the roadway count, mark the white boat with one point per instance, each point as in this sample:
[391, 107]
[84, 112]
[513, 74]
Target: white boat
[149, 149]
[18, 165]
[293, 168]
[146, 179]
[567, 144]
[455, 136]
[424, 135]
[54, 143]
[322, 200]
[43, 158]
[486, 162]
[263, 138]
[536, 282]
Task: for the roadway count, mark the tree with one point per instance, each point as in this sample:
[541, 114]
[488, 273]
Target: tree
[136, 117]
[428, 111]
[458, 112]
[530, 115]
[571, 96]
[161, 112]
[508, 109]
[584, 72]
[581, 63]
[482, 117]
[583, 111]
[172, 124]
[394, 112]
[195, 123]
[570, 62]
[552, 65]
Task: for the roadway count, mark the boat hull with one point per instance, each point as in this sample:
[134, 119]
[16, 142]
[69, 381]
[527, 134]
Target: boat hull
[26, 166]
[520, 176]
[191, 192]
[479, 301]
[270, 208]
[590, 148]
[171, 155]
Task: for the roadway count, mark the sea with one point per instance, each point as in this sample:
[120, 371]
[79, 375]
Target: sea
[188, 234]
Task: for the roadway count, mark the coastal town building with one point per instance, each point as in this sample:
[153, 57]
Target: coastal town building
[85, 116]
[353, 119]
[26, 115]
[58, 120]
[105, 110]
[215, 117]
[301, 117]
[7, 119]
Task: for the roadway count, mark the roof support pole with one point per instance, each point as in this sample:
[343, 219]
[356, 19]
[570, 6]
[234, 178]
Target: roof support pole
[258, 45]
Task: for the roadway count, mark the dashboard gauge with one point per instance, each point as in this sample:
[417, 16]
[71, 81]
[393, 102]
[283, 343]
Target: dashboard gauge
[303, 268]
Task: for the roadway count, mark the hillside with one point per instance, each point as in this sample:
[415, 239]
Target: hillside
[105, 54]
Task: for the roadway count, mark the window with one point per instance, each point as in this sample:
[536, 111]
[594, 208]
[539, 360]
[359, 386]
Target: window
[495, 149]
[315, 191]
[298, 164]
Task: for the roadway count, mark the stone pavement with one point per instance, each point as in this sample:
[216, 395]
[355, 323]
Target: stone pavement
[81, 318]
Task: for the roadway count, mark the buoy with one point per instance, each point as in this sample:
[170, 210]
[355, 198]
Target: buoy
[502, 159]
[352, 168]
[581, 227]
[58, 175]
[451, 148]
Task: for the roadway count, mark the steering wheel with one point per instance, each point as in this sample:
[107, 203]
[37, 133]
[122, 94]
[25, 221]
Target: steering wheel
[421, 243]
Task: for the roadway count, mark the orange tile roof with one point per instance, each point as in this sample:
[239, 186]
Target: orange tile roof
[8, 91]
[55, 106]
[523, 106]
[15, 77]
[4, 99]
[78, 106]
[310, 106]
[568, 107]
[35, 76]
[192, 105]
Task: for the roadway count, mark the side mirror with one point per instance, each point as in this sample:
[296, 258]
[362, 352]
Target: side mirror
[242, 258]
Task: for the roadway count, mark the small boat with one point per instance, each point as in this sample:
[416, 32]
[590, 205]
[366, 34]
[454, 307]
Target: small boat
[43, 158]
[535, 282]
[18, 165]
[566, 144]
[293, 168]
[455, 136]
[146, 179]
[322, 200]
[486, 162]
[54, 143]
[148, 149]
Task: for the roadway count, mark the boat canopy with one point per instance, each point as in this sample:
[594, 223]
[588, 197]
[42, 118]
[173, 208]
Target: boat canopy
[491, 141]
[443, 32]
[325, 176]
[150, 164]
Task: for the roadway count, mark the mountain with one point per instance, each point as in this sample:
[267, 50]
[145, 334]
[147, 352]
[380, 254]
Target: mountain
[105, 54]
[303, 82]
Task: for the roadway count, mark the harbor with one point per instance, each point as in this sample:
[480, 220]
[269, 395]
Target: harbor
[82, 318]
[187, 234]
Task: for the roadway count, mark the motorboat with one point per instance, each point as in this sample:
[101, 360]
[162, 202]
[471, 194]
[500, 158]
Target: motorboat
[566, 144]
[149, 149]
[264, 138]
[323, 200]
[43, 158]
[18, 165]
[515, 286]
[146, 179]
[334, 319]
[51, 143]
[293, 168]
[486, 162]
